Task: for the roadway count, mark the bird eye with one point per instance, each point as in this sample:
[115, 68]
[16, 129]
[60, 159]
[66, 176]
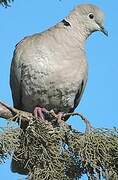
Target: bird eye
[91, 16]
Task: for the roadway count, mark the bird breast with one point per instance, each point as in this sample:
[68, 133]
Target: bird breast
[52, 81]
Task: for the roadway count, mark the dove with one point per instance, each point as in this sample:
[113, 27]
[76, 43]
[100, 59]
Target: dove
[49, 70]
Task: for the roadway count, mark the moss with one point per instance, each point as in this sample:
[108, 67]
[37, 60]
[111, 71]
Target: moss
[61, 152]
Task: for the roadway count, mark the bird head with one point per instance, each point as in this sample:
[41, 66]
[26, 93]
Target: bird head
[88, 18]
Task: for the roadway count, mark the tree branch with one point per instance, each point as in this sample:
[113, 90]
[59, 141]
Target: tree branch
[11, 113]
[16, 115]
[44, 150]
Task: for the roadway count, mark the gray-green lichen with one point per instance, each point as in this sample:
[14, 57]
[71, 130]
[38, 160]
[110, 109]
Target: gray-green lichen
[62, 153]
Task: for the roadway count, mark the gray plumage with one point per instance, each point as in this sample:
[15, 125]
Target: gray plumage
[49, 69]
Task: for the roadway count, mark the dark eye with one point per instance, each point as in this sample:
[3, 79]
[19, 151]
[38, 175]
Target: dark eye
[91, 16]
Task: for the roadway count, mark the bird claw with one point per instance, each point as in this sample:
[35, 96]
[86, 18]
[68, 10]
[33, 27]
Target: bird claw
[58, 117]
[39, 113]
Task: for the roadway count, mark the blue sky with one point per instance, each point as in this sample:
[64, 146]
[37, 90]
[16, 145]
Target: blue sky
[100, 100]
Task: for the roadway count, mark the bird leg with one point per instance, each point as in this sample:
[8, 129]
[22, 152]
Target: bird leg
[58, 117]
[39, 112]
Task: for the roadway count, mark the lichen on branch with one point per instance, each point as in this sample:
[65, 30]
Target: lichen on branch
[59, 152]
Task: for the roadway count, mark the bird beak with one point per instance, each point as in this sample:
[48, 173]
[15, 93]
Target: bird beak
[104, 31]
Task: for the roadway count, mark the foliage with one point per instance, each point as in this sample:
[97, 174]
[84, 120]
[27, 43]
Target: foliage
[9, 141]
[61, 152]
[5, 2]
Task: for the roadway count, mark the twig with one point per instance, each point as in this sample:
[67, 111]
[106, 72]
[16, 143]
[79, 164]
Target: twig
[84, 119]
[16, 115]
[12, 113]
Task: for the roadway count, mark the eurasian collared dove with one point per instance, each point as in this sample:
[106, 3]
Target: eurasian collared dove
[49, 69]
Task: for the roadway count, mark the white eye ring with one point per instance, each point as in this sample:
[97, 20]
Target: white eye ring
[91, 16]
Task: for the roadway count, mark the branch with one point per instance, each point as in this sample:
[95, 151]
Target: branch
[25, 117]
[45, 151]
[11, 113]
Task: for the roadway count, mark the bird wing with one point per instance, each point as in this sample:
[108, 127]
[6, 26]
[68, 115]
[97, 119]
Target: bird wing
[15, 75]
[15, 82]
[78, 96]
[79, 93]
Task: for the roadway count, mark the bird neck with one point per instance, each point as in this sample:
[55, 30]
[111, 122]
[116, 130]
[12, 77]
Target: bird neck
[71, 33]
[78, 28]
[80, 35]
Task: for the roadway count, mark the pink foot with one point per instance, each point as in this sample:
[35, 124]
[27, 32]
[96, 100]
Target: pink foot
[60, 117]
[39, 112]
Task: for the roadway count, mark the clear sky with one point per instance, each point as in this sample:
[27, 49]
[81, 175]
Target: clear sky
[100, 100]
